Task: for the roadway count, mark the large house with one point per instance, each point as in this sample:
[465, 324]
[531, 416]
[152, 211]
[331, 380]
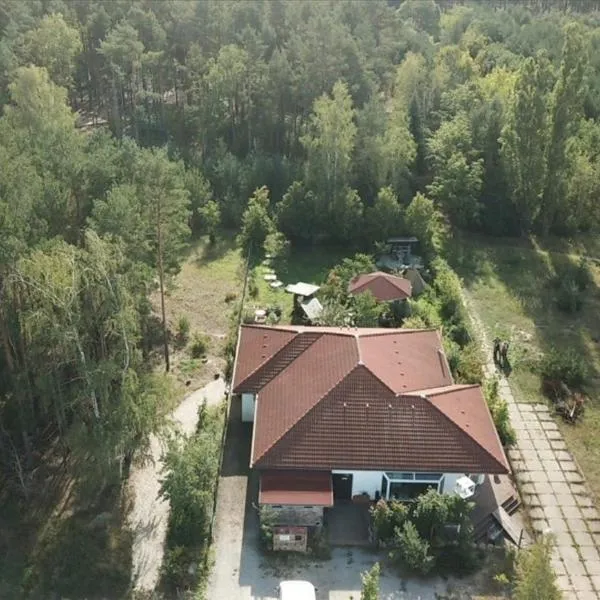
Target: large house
[344, 412]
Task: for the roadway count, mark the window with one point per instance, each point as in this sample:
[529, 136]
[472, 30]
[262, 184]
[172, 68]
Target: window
[384, 486]
[409, 490]
[428, 476]
[408, 486]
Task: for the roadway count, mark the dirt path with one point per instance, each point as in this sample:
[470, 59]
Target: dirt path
[149, 517]
[553, 488]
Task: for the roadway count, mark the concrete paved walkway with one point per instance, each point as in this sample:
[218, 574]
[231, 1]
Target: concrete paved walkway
[553, 488]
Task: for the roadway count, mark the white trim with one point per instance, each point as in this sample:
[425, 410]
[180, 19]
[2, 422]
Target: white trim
[253, 428]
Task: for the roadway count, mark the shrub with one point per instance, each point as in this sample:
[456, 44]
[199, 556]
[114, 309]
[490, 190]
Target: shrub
[247, 317]
[183, 329]
[566, 366]
[387, 516]
[535, 577]
[412, 551]
[199, 345]
[370, 583]
[499, 411]
[267, 522]
[230, 297]
[469, 367]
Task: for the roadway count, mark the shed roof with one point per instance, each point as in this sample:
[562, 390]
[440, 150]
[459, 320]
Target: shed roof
[312, 308]
[302, 289]
[296, 488]
[383, 286]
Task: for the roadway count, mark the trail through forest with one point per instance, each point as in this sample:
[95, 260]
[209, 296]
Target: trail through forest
[150, 514]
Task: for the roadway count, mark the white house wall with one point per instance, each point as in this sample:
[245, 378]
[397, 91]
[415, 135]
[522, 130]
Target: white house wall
[248, 401]
[370, 481]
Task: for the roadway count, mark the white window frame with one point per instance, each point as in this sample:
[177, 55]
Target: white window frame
[407, 477]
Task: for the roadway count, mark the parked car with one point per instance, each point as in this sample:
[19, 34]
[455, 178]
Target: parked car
[297, 590]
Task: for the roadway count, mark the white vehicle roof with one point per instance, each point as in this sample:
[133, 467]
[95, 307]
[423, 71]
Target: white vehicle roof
[297, 590]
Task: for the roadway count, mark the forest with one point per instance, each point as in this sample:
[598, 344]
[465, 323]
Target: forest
[129, 127]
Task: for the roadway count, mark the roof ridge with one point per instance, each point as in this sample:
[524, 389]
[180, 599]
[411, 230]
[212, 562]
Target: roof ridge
[273, 356]
[442, 389]
[396, 330]
[467, 433]
[301, 417]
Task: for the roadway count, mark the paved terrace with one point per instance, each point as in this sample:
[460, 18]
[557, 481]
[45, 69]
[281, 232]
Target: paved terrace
[553, 489]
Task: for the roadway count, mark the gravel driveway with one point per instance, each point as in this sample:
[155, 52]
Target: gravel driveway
[150, 514]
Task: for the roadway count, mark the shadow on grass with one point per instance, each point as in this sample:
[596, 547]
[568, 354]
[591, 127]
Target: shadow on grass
[208, 253]
[63, 542]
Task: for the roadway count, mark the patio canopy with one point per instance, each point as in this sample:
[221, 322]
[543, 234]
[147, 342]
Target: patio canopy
[313, 488]
[302, 289]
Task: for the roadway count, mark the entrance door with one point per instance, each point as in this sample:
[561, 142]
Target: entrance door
[342, 487]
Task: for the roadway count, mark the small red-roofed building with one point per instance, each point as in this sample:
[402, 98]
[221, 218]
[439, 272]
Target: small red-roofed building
[383, 286]
[341, 413]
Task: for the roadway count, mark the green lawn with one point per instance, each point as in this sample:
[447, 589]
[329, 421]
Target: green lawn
[311, 265]
[511, 283]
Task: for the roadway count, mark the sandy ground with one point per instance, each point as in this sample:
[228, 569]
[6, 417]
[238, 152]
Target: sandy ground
[149, 517]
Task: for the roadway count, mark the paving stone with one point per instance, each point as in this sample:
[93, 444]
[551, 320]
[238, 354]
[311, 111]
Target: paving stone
[552, 511]
[554, 435]
[576, 524]
[565, 500]
[560, 487]
[578, 489]
[543, 487]
[543, 446]
[538, 476]
[525, 445]
[545, 417]
[537, 512]
[596, 538]
[539, 525]
[564, 583]
[545, 454]
[558, 566]
[558, 444]
[563, 455]
[540, 408]
[584, 500]
[524, 476]
[563, 538]
[529, 417]
[538, 434]
[518, 465]
[572, 512]
[568, 465]
[582, 538]
[549, 500]
[596, 580]
[515, 454]
[587, 595]
[574, 477]
[531, 500]
[520, 427]
[594, 526]
[573, 563]
[528, 488]
[556, 476]
[533, 463]
[558, 525]
[549, 426]
[589, 554]
[593, 568]
[583, 587]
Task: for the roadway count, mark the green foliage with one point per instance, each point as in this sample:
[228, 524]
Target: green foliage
[336, 286]
[210, 218]
[183, 329]
[412, 551]
[199, 345]
[535, 577]
[256, 222]
[499, 411]
[426, 224]
[370, 583]
[571, 283]
[564, 365]
[387, 517]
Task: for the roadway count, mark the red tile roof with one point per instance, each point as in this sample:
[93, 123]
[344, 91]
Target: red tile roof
[296, 487]
[383, 286]
[362, 398]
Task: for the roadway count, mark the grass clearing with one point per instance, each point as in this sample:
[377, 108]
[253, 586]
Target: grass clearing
[310, 265]
[513, 287]
[204, 290]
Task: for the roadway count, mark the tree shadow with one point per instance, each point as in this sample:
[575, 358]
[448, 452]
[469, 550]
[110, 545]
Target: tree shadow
[207, 253]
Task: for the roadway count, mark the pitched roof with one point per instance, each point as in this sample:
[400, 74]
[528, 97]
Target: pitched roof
[362, 398]
[383, 286]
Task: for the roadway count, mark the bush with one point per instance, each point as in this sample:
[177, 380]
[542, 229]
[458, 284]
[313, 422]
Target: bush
[230, 297]
[499, 411]
[183, 329]
[412, 551]
[387, 516]
[199, 345]
[566, 366]
[535, 577]
[370, 583]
